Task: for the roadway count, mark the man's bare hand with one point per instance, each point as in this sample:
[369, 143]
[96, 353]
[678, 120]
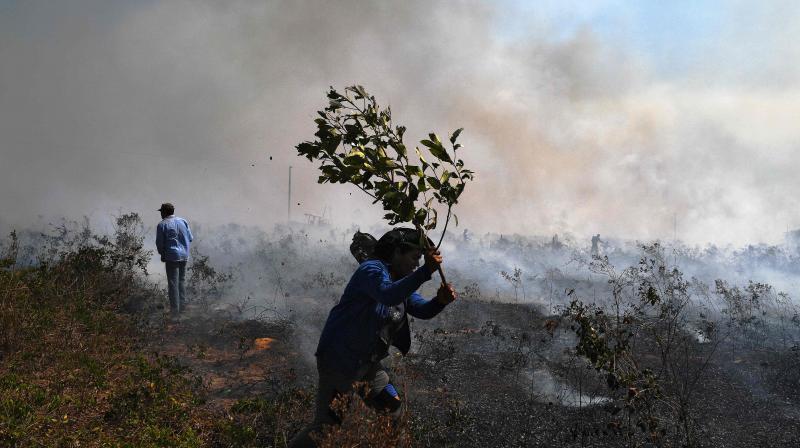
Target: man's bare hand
[446, 294]
[432, 260]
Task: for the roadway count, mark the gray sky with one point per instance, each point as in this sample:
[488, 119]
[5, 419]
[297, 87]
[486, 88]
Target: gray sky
[603, 117]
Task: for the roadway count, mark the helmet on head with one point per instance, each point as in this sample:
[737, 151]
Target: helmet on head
[401, 238]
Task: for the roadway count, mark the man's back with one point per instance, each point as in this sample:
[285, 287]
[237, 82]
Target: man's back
[173, 239]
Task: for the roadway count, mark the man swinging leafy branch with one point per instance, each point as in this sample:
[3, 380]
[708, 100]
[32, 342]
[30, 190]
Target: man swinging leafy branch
[358, 144]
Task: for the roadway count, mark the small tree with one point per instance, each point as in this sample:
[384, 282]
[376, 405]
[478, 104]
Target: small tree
[651, 310]
[515, 280]
[357, 143]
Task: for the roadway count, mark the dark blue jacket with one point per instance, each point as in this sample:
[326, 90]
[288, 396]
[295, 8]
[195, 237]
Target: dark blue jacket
[351, 334]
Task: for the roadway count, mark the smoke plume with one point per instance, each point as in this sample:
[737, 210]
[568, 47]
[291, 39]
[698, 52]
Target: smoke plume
[112, 105]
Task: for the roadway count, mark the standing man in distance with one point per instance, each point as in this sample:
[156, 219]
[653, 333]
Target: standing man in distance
[596, 245]
[172, 241]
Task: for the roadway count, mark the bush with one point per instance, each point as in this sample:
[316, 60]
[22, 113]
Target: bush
[650, 311]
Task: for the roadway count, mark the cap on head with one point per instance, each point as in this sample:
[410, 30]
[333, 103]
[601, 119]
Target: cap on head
[167, 208]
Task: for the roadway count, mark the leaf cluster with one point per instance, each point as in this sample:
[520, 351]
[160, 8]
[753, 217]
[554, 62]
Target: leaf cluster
[358, 143]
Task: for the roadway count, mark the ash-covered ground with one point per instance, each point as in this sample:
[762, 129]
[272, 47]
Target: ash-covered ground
[549, 344]
[501, 366]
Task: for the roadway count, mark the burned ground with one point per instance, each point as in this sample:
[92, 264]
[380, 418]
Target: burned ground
[500, 367]
[502, 382]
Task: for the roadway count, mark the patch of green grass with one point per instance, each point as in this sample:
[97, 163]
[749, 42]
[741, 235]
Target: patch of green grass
[73, 371]
[70, 370]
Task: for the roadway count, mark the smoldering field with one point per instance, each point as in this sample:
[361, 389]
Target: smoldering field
[653, 344]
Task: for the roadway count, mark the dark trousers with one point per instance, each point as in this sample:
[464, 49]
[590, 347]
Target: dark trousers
[333, 384]
[176, 273]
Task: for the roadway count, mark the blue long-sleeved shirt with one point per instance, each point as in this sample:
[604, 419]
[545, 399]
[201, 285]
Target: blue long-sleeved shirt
[172, 239]
[352, 332]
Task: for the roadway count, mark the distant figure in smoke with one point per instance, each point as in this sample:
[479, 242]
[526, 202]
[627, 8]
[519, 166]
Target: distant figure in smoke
[555, 244]
[172, 241]
[371, 316]
[596, 245]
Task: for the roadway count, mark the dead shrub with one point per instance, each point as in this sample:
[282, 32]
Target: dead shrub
[362, 426]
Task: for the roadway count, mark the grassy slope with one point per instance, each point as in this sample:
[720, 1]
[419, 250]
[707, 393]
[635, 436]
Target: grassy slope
[70, 371]
[79, 365]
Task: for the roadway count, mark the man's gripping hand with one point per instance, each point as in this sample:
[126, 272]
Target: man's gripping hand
[432, 260]
[446, 294]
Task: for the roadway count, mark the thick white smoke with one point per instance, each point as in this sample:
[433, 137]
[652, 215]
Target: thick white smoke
[108, 106]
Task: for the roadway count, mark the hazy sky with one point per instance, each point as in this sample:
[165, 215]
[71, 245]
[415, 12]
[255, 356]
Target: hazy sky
[608, 117]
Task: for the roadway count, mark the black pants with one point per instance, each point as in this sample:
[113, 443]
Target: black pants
[333, 384]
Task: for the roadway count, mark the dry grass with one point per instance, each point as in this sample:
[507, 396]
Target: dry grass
[71, 373]
[364, 427]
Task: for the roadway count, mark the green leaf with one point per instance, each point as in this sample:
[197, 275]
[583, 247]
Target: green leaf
[421, 158]
[392, 195]
[434, 182]
[407, 210]
[413, 192]
[445, 176]
[358, 91]
[414, 170]
[333, 94]
[329, 145]
[354, 157]
[455, 135]
[354, 160]
[400, 149]
[420, 216]
[358, 151]
[352, 129]
[388, 163]
[329, 170]
[433, 220]
[309, 150]
[437, 150]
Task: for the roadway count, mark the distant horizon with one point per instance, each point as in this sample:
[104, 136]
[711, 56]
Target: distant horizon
[43, 224]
